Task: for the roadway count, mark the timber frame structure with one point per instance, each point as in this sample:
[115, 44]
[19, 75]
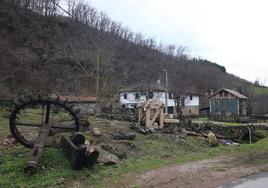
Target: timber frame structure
[151, 113]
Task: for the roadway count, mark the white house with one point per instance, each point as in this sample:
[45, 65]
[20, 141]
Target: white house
[190, 104]
[129, 99]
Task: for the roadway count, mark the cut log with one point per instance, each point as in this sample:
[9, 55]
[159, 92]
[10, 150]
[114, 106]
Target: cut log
[78, 139]
[79, 156]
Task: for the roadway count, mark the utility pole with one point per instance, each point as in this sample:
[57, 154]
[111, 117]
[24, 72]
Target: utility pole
[165, 70]
[98, 72]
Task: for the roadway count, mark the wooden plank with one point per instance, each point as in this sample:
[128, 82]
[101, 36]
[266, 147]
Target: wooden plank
[161, 123]
[28, 124]
[171, 121]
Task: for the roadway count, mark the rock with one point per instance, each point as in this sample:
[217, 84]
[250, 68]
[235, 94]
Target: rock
[108, 160]
[59, 181]
[166, 157]
[169, 129]
[228, 142]
[114, 150]
[140, 129]
[119, 135]
[212, 139]
[96, 132]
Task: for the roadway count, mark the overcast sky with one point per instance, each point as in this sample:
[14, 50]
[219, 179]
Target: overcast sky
[233, 33]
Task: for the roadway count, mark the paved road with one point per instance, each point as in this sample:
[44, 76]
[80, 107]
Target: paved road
[260, 181]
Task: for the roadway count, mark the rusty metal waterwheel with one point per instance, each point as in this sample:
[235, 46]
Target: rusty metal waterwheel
[31, 113]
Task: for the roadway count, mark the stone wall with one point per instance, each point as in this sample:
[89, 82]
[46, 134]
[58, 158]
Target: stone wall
[85, 108]
[227, 132]
[122, 114]
[190, 111]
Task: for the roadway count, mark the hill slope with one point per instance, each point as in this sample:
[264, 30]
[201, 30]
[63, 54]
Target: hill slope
[43, 53]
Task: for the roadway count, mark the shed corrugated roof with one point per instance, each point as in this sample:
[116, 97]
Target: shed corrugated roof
[233, 92]
[78, 98]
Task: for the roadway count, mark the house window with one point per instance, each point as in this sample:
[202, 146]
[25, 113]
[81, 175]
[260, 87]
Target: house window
[190, 111]
[182, 102]
[125, 96]
[150, 95]
[132, 106]
[137, 96]
[170, 95]
[191, 97]
[170, 110]
[225, 94]
[221, 94]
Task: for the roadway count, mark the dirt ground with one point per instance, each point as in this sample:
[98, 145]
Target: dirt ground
[202, 174]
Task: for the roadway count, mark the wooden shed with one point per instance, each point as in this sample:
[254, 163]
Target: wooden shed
[228, 102]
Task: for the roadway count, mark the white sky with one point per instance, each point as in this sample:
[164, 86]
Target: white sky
[233, 33]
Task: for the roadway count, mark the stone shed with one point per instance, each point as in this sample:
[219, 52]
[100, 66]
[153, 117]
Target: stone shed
[87, 104]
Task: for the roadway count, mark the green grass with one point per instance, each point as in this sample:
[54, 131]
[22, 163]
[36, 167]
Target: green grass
[231, 124]
[4, 128]
[55, 166]
[150, 152]
[57, 171]
[260, 90]
[204, 120]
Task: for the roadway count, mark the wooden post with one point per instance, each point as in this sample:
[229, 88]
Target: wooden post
[98, 72]
[140, 111]
[148, 116]
[153, 110]
[161, 119]
[238, 107]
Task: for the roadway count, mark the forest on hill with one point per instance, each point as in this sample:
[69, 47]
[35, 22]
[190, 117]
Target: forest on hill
[44, 50]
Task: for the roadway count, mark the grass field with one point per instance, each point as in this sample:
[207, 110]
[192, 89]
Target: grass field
[204, 120]
[260, 90]
[147, 152]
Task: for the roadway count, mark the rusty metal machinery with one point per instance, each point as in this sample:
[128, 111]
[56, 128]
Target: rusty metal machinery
[34, 120]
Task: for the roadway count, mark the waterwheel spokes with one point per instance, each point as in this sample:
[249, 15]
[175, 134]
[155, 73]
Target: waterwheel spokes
[27, 124]
[30, 116]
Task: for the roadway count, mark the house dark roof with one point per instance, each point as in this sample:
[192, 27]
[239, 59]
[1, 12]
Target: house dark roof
[193, 93]
[233, 92]
[142, 88]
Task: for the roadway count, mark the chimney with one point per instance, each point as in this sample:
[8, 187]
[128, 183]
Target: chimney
[211, 92]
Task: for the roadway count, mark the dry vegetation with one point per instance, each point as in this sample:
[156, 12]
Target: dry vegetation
[43, 52]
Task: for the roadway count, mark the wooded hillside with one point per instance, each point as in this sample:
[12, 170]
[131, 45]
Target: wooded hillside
[43, 50]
